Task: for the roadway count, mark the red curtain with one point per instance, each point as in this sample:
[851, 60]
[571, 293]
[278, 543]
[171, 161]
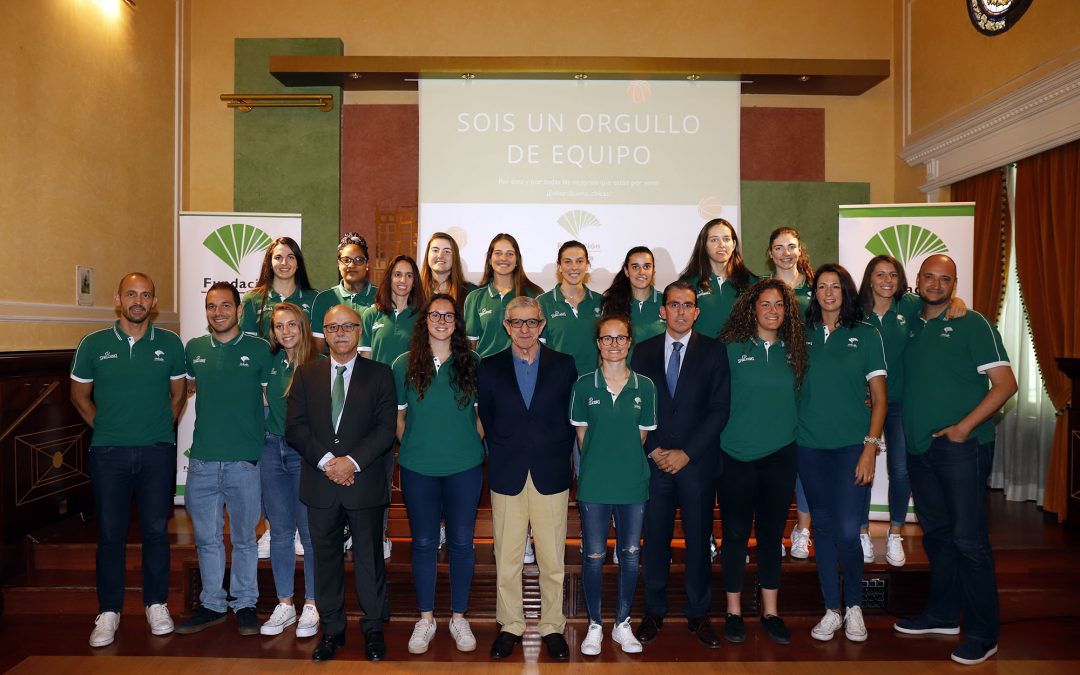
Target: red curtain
[992, 233]
[1047, 259]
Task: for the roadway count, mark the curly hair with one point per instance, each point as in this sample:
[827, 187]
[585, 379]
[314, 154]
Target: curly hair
[803, 263]
[851, 312]
[742, 325]
[700, 266]
[421, 367]
[384, 301]
[619, 294]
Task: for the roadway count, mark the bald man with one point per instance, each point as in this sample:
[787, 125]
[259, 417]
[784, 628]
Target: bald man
[341, 417]
[957, 375]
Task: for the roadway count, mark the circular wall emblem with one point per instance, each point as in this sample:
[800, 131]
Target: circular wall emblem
[994, 17]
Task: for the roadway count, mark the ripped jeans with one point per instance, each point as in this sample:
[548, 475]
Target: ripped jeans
[595, 520]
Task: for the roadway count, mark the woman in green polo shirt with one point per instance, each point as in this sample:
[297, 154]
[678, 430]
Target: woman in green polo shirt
[717, 272]
[291, 346]
[282, 278]
[632, 292]
[767, 356]
[504, 279]
[354, 290]
[838, 439]
[441, 460]
[387, 327]
[612, 408]
[441, 271]
[572, 308]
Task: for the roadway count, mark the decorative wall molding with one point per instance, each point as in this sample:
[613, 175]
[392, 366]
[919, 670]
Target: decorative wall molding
[44, 312]
[1034, 118]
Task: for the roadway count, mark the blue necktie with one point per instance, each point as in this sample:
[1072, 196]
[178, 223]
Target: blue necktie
[673, 367]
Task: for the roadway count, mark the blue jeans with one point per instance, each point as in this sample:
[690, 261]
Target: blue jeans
[279, 471]
[800, 496]
[896, 459]
[118, 474]
[454, 498]
[836, 506]
[949, 484]
[211, 487]
[594, 531]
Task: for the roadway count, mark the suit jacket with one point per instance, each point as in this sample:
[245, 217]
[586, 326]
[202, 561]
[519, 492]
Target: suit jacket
[365, 433]
[693, 419]
[520, 440]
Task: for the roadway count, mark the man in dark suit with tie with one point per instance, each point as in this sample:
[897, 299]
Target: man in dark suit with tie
[342, 415]
[693, 395]
[523, 401]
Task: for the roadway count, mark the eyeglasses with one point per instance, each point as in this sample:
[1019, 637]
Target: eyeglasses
[343, 327]
[675, 306]
[441, 317]
[608, 340]
[358, 260]
[518, 323]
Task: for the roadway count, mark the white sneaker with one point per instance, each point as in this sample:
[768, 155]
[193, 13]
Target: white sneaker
[615, 554]
[283, 617]
[854, 626]
[826, 629]
[158, 618]
[530, 553]
[712, 548]
[421, 636]
[105, 625]
[624, 635]
[783, 550]
[867, 547]
[462, 634]
[387, 547]
[800, 543]
[894, 551]
[298, 547]
[348, 543]
[264, 545]
[309, 622]
[590, 646]
[442, 536]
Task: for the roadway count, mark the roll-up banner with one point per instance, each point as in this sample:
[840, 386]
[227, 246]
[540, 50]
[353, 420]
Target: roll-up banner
[218, 247]
[910, 233]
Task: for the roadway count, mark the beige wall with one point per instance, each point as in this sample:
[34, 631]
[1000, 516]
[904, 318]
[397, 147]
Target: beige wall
[86, 175]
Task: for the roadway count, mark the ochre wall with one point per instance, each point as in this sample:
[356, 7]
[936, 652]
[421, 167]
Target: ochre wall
[86, 157]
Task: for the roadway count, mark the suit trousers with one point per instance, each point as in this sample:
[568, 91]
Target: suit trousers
[326, 526]
[511, 515]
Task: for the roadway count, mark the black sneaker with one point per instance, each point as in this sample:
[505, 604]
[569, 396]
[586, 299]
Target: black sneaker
[734, 629]
[921, 625]
[972, 652]
[202, 619]
[775, 628]
[247, 622]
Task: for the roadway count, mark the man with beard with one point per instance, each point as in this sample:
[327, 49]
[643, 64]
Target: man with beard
[127, 382]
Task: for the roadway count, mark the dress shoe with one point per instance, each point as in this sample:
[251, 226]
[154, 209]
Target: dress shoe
[704, 632]
[374, 645]
[649, 628]
[327, 647]
[504, 645]
[557, 648]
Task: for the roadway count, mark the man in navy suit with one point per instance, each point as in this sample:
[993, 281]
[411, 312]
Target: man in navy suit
[693, 393]
[524, 402]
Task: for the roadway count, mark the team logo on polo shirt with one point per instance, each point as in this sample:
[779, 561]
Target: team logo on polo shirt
[198, 359]
[637, 403]
[946, 332]
[306, 307]
[853, 342]
[901, 320]
[273, 371]
[485, 311]
[107, 355]
[244, 361]
[159, 355]
[556, 314]
[377, 325]
[744, 358]
[594, 401]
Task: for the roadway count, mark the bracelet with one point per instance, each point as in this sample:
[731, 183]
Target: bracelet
[873, 440]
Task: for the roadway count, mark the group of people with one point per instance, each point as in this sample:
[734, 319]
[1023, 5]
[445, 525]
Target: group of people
[722, 388]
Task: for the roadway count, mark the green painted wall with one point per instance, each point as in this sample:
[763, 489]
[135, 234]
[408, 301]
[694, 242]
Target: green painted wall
[811, 208]
[288, 160]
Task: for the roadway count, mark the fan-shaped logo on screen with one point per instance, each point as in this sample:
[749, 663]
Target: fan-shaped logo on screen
[906, 242]
[233, 243]
[577, 220]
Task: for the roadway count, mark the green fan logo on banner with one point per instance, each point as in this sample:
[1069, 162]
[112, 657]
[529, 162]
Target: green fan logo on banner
[905, 242]
[577, 220]
[233, 243]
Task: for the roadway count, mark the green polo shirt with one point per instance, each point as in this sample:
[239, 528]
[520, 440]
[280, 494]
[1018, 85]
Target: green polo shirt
[715, 304]
[764, 411]
[277, 388]
[614, 468]
[832, 407]
[946, 364]
[484, 312]
[440, 435]
[131, 384]
[255, 319]
[229, 422]
[572, 331]
[332, 297]
[894, 327]
[645, 316]
[386, 335]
